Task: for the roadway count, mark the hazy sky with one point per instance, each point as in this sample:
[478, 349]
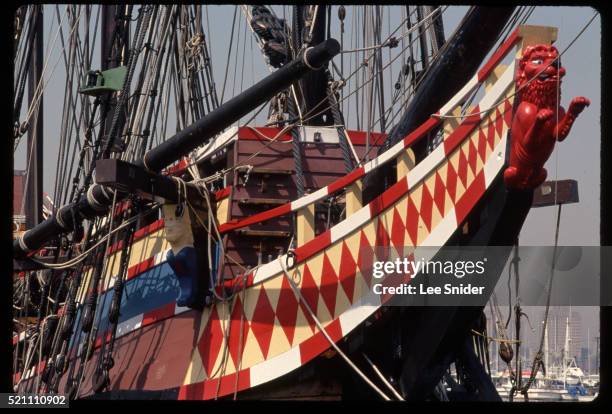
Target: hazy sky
[578, 157]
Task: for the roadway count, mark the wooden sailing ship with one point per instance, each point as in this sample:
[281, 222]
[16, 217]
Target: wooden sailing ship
[286, 262]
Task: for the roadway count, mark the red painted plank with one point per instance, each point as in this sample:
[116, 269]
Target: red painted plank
[348, 179]
[317, 343]
[460, 133]
[420, 131]
[501, 52]
[256, 218]
[360, 137]
[471, 196]
[141, 267]
[386, 199]
[223, 193]
[158, 314]
[245, 133]
[309, 249]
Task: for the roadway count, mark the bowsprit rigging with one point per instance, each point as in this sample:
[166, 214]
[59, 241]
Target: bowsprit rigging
[200, 257]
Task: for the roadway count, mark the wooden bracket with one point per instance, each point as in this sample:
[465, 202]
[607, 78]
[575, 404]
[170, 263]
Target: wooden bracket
[353, 197]
[552, 193]
[305, 224]
[531, 35]
[130, 178]
[405, 163]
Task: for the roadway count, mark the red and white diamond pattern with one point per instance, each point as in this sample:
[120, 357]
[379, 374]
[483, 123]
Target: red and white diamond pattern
[277, 327]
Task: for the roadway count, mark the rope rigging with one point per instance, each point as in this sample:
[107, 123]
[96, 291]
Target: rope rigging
[170, 84]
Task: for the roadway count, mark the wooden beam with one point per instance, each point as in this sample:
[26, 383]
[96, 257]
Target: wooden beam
[263, 233]
[305, 224]
[223, 210]
[130, 178]
[532, 35]
[353, 198]
[494, 76]
[450, 124]
[552, 193]
[405, 163]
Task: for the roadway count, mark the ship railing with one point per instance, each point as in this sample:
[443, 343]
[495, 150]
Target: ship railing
[401, 153]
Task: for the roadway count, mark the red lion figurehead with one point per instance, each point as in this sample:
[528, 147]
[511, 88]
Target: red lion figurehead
[535, 128]
[544, 90]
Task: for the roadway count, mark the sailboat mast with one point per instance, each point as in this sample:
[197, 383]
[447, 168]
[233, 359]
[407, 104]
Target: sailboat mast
[546, 366]
[588, 352]
[33, 203]
[566, 348]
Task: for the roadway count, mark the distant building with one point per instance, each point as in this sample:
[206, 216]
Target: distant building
[557, 324]
[19, 178]
[583, 359]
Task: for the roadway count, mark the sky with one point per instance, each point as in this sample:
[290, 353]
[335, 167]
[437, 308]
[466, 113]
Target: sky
[578, 157]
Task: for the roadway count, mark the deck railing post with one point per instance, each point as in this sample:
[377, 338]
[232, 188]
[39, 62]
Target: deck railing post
[405, 162]
[305, 224]
[353, 198]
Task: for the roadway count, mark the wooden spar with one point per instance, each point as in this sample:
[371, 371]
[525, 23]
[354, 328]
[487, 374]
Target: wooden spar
[551, 193]
[189, 138]
[313, 86]
[114, 50]
[129, 178]
[33, 198]
[98, 198]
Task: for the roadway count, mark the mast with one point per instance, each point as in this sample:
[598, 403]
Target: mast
[597, 355]
[422, 40]
[438, 30]
[33, 202]
[546, 347]
[114, 52]
[565, 352]
[309, 29]
[588, 352]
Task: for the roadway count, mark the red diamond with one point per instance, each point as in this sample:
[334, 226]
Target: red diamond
[286, 309]
[439, 194]
[508, 113]
[472, 156]
[398, 231]
[310, 293]
[412, 221]
[482, 145]
[381, 245]
[365, 258]
[236, 349]
[462, 170]
[499, 122]
[426, 206]
[329, 285]
[451, 181]
[210, 342]
[346, 275]
[262, 323]
[491, 134]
